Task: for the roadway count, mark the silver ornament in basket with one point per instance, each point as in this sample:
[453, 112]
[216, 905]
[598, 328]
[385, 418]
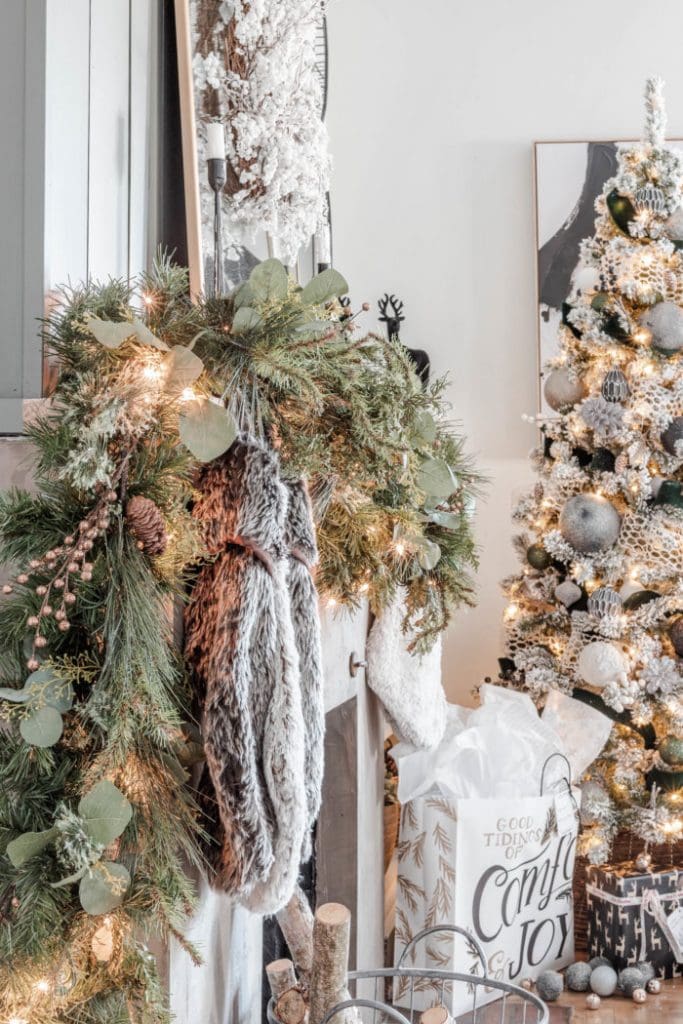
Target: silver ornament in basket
[604, 603]
[615, 386]
[650, 198]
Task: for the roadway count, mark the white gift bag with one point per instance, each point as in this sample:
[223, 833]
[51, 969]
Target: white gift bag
[502, 869]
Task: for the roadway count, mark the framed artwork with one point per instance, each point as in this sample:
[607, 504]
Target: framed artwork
[568, 178]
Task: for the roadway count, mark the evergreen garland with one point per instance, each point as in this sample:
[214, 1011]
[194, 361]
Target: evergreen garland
[97, 819]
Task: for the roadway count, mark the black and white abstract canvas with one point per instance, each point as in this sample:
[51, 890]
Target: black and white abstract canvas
[569, 177]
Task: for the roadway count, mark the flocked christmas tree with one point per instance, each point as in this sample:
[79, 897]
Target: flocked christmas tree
[597, 610]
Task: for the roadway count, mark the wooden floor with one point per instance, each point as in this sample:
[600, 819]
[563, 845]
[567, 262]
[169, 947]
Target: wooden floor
[666, 1008]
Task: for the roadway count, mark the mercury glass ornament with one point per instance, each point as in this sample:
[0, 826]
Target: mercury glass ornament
[590, 523]
[665, 321]
[615, 386]
[671, 750]
[643, 861]
[673, 434]
[604, 603]
[654, 986]
[651, 199]
[639, 996]
[563, 389]
[593, 1001]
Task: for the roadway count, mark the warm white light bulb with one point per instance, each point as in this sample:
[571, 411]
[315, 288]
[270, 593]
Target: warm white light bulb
[43, 985]
[188, 395]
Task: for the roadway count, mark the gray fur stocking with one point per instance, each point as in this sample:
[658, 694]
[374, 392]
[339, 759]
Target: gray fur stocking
[262, 728]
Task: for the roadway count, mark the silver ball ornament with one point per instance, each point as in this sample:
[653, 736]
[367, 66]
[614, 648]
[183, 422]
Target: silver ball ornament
[643, 861]
[654, 986]
[629, 980]
[615, 386]
[563, 389]
[647, 970]
[550, 985]
[590, 523]
[604, 603]
[593, 1001]
[604, 981]
[650, 199]
[578, 976]
[665, 321]
[639, 996]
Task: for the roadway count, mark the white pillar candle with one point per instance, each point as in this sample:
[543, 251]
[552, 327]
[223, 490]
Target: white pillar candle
[215, 141]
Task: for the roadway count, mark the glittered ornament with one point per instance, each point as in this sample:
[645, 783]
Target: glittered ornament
[146, 523]
[643, 861]
[665, 321]
[550, 985]
[604, 603]
[578, 976]
[629, 980]
[590, 523]
[599, 961]
[593, 1001]
[615, 386]
[672, 435]
[671, 750]
[647, 970]
[639, 995]
[650, 199]
[604, 981]
[568, 593]
[601, 663]
[676, 636]
[563, 389]
[654, 986]
[538, 557]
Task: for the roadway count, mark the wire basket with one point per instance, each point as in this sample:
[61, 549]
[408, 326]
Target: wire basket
[368, 992]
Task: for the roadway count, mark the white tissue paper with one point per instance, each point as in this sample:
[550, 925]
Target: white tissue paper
[500, 748]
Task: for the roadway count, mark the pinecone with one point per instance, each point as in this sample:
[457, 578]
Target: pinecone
[146, 523]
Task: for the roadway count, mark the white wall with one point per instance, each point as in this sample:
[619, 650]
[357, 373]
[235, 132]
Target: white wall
[433, 111]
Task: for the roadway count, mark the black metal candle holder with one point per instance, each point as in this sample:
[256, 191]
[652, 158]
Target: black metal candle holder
[217, 178]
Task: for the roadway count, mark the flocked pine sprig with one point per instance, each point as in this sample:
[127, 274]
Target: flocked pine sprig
[655, 112]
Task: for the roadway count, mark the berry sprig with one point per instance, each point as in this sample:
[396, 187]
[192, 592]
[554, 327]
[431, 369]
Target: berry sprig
[63, 566]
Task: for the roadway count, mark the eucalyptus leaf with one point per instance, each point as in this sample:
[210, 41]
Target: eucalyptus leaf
[184, 367]
[28, 845]
[425, 426]
[245, 319]
[43, 728]
[449, 520]
[16, 696]
[108, 333]
[268, 281]
[105, 812]
[206, 429]
[103, 887]
[45, 688]
[324, 286]
[436, 478]
[243, 295]
[146, 337]
[428, 554]
[313, 329]
[70, 879]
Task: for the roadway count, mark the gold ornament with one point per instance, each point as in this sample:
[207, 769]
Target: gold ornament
[592, 1001]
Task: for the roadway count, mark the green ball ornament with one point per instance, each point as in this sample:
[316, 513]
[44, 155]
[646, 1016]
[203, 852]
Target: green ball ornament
[671, 750]
[603, 461]
[676, 636]
[604, 981]
[563, 389]
[638, 599]
[578, 976]
[590, 523]
[670, 493]
[538, 557]
[622, 210]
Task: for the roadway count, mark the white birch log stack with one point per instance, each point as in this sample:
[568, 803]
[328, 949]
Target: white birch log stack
[436, 1015]
[296, 924]
[331, 934]
[281, 977]
[291, 1007]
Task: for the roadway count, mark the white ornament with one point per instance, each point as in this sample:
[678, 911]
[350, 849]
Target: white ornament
[665, 320]
[593, 1001]
[601, 663]
[604, 980]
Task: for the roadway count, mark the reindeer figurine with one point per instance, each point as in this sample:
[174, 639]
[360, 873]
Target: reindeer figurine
[393, 317]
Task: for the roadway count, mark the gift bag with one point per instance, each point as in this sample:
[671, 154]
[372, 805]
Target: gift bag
[500, 868]
[636, 916]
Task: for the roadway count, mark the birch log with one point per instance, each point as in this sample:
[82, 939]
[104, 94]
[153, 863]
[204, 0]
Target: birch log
[291, 1007]
[436, 1015]
[296, 923]
[281, 977]
[331, 933]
